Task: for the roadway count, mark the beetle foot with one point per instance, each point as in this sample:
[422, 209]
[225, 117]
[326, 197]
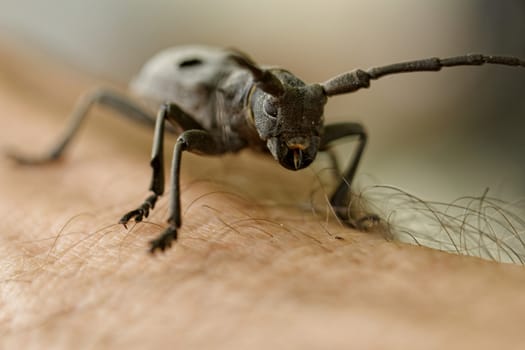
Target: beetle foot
[164, 240]
[141, 212]
[364, 222]
[361, 221]
[23, 159]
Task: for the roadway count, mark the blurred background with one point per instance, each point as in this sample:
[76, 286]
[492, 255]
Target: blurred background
[437, 135]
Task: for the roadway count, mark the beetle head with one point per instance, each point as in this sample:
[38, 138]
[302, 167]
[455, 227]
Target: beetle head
[291, 120]
[287, 114]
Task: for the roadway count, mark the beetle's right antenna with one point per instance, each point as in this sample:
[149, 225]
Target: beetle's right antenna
[264, 78]
[359, 79]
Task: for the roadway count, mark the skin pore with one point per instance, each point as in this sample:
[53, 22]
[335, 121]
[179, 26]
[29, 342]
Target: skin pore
[252, 269]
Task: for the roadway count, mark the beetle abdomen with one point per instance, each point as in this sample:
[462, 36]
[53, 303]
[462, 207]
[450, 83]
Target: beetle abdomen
[187, 76]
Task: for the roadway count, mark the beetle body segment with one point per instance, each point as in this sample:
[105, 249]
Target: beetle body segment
[238, 110]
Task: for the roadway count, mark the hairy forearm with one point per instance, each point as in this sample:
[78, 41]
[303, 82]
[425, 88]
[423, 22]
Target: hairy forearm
[250, 270]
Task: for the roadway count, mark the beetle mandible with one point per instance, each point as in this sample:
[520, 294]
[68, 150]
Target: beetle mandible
[221, 101]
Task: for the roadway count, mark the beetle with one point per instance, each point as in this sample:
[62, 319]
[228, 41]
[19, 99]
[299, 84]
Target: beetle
[220, 101]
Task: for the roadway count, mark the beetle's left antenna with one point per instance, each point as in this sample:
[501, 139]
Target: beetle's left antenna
[264, 78]
[359, 79]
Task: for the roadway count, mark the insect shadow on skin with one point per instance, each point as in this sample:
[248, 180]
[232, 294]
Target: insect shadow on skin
[220, 101]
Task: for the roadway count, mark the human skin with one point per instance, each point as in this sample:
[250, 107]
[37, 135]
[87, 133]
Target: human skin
[251, 270]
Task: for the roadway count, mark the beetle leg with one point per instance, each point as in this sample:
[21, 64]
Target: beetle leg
[332, 157]
[178, 118]
[340, 199]
[196, 141]
[121, 103]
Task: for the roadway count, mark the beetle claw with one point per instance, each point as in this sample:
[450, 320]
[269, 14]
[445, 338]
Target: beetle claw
[163, 241]
[141, 212]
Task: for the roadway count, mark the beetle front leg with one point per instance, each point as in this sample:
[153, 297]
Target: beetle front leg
[178, 118]
[341, 198]
[196, 141]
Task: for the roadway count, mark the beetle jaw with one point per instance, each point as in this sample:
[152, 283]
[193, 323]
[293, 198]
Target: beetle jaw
[294, 153]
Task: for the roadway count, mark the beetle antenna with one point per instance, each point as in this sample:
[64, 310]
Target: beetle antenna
[359, 79]
[264, 78]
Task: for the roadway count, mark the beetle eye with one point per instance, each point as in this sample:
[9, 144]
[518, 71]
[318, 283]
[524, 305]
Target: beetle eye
[270, 108]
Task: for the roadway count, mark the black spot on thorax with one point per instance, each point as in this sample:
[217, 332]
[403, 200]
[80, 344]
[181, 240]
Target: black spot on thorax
[190, 62]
